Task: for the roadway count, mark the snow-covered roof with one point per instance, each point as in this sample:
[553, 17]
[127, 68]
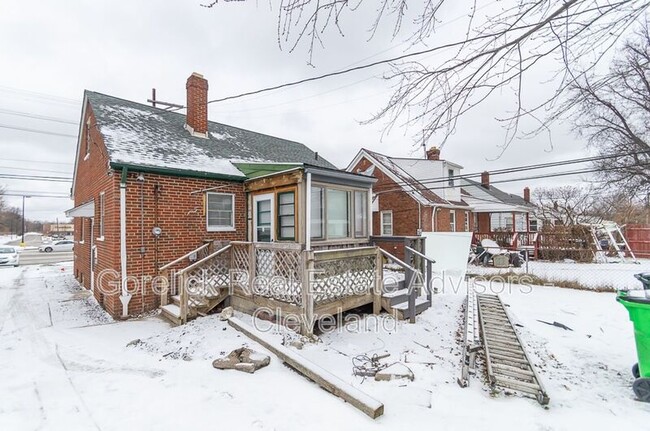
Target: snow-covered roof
[136, 134]
[492, 199]
[412, 176]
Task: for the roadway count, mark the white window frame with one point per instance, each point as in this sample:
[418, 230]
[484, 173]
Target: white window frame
[451, 174]
[452, 220]
[382, 224]
[102, 214]
[231, 227]
[82, 233]
[467, 221]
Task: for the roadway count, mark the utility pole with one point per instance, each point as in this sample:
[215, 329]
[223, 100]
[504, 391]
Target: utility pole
[22, 241]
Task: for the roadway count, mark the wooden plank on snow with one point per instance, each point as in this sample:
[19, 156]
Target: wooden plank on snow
[322, 377]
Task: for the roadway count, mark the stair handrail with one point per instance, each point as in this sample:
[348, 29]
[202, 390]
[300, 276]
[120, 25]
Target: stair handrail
[412, 292]
[205, 259]
[185, 256]
[429, 263]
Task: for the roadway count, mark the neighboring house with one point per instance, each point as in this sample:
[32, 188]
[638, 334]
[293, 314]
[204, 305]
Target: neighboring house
[151, 186]
[61, 229]
[497, 211]
[412, 195]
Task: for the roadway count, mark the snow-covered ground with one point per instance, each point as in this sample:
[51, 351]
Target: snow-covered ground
[592, 275]
[65, 365]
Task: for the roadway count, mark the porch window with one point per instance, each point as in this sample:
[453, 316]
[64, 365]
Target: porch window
[220, 213]
[317, 213]
[533, 225]
[452, 220]
[287, 216]
[501, 222]
[387, 223]
[337, 210]
[360, 214]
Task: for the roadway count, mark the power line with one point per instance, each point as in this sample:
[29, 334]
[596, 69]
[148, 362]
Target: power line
[34, 170]
[38, 117]
[44, 132]
[35, 178]
[36, 94]
[442, 179]
[37, 161]
[534, 177]
[35, 195]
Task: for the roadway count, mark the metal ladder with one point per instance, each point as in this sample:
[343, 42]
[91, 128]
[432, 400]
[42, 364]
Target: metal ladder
[472, 340]
[621, 245]
[507, 363]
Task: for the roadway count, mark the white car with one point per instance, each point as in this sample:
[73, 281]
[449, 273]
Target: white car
[9, 256]
[64, 245]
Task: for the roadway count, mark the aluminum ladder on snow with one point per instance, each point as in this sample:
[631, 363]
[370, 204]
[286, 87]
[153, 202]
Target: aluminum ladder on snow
[472, 339]
[508, 365]
[621, 245]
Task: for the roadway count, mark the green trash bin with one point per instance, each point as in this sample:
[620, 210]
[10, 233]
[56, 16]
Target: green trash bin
[638, 306]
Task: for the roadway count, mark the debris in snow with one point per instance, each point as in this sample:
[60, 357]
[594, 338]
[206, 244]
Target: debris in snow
[395, 371]
[558, 324]
[226, 313]
[366, 366]
[298, 344]
[134, 342]
[242, 359]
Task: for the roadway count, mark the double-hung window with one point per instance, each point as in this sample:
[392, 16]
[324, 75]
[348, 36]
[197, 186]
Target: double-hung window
[452, 220]
[287, 216]
[220, 212]
[387, 223]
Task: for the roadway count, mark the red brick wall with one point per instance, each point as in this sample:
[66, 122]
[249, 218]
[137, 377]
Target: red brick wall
[168, 202]
[93, 177]
[404, 207]
[179, 213]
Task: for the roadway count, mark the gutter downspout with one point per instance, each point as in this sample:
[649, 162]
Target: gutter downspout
[308, 213]
[125, 297]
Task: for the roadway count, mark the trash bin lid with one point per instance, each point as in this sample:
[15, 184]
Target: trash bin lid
[636, 296]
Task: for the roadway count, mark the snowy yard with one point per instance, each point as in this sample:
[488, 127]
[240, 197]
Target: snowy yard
[65, 365]
[591, 275]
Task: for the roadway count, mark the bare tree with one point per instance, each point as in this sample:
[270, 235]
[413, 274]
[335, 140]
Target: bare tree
[498, 52]
[568, 205]
[613, 112]
[623, 207]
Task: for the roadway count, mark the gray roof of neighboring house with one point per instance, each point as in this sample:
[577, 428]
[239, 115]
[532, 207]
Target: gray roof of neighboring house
[136, 134]
[506, 198]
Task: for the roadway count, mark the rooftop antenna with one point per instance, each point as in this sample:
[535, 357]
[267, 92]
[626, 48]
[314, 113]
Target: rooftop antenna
[167, 105]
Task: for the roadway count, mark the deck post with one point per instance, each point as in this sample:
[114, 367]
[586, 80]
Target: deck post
[307, 318]
[379, 283]
[184, 300]
[252, 265]
[164, 291]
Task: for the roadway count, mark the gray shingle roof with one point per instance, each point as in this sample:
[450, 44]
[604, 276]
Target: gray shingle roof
[141, 135]
[506, 198]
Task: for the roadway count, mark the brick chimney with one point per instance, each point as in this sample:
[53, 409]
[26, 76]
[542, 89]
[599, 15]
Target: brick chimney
[527, 194]
[197, 105]
[433, 153]
[485, 179]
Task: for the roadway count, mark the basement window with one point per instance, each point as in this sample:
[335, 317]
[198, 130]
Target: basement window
[220, 212]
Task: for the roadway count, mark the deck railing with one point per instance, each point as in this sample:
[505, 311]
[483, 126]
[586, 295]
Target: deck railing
[313, 281]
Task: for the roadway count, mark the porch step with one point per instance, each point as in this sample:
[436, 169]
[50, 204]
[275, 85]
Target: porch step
[396, 297]
[402, 309]
[171, 312]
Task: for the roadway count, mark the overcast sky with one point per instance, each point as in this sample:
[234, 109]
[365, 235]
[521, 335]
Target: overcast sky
[52, 51]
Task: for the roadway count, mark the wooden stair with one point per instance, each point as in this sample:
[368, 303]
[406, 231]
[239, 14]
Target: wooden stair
[197, 306]
[395, 301]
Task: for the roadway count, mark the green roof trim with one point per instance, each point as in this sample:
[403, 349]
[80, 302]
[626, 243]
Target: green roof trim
[176, 172]
[254, 170]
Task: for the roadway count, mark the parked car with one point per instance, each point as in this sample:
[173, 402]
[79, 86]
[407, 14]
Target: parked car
[9, 256]
[65, 245]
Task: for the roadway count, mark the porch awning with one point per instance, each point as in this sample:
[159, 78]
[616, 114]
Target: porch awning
[84, 210]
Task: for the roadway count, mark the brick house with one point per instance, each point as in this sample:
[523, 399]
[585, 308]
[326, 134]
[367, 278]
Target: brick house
[409, 197]
[151, 185]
